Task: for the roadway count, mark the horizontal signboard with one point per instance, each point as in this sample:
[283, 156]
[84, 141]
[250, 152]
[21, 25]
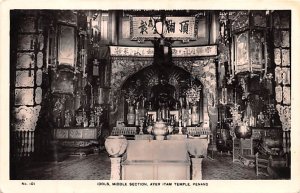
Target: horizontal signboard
[173, 27]
[198, 51]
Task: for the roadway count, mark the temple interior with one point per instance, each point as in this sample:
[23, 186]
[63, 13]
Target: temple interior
[150, 94]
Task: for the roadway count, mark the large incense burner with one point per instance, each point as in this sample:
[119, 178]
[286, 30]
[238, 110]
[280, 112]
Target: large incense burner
[160, 130]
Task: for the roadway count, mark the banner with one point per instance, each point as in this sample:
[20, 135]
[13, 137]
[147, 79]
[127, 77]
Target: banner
[198, 51]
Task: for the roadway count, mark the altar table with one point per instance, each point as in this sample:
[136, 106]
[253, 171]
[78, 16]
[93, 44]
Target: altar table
[156, 160]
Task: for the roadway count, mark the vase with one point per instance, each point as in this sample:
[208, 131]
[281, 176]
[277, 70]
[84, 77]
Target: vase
[115, 145]
[170, 129]
[197, 146]
[137, 117]
[149, 129]
[243, 131]
[189, 118]
[194, 116]
[131, 116]
[172, 120]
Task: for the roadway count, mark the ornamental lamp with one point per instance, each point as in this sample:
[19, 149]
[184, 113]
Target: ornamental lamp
[249, 29]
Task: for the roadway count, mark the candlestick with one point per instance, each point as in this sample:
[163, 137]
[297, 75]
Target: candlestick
[235, 97]
[100, 95]
[92, 96]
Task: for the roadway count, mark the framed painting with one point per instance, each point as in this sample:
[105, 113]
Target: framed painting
[66, 45]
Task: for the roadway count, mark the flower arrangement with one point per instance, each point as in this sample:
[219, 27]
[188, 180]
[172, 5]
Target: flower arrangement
[193, 94]
[236, 118]
[98, 111]
[130, 95]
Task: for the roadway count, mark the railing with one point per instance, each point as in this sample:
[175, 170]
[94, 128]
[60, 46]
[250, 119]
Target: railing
[198, 131]
[133, 131]
[124, 131]
[26, 143]
[22, 143]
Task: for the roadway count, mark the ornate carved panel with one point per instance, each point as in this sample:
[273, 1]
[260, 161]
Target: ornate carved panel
[281, 23]
[26, 42]
[277, 56]
[205, 71]
[121, 69]
[285, 116]
[278, 91]
[285, 74]
[256, 50]
[241, 20]
[39, 77]
[281, 19]
[89, 134]
[286, 95]
[259, 18]
[24, 96]
[278, 75]
[68, 17]
[38, 95]
[276, 20]
[285, 42]
[285, 57]
[40, 60]
[26, 117]
[40, 42]
[277, 38]
[282, 75]
[75, 134]
[25, 60]
[27, 24]
[61, 133]
[78, 133]
[25, 78]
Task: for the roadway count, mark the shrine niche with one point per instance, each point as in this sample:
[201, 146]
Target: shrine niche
[203, 69]
[166, 93]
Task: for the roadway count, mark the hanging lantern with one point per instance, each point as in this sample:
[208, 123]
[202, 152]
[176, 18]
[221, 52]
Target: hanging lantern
[249, 37]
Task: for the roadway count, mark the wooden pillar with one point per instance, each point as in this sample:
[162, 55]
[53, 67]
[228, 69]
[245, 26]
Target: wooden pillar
[214, 26]
[113, 28]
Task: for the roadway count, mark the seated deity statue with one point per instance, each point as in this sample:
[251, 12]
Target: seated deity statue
[162, 94]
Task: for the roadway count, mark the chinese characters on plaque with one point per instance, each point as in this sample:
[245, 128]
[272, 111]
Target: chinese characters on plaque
[151, 27]
[196, 51]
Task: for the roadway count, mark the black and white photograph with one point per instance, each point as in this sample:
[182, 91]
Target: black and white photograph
[179, 97]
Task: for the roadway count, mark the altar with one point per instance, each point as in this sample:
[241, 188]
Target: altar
[156, 160]
[177, 157]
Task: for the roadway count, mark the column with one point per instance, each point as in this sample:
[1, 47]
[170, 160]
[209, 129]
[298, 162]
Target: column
[197, 168]
[115, 168]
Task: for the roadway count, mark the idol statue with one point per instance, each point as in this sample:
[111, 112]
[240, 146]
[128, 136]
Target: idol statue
[162, 94]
